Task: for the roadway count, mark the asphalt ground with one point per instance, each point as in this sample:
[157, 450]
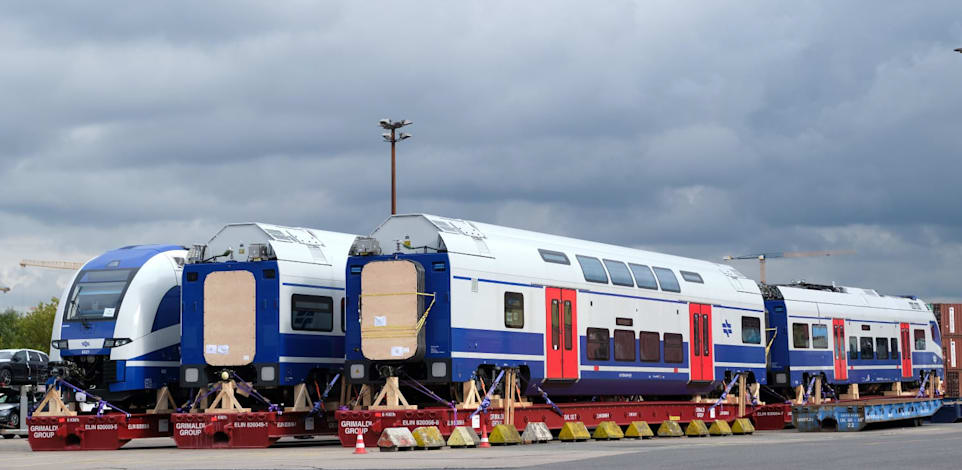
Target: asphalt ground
[931, 446]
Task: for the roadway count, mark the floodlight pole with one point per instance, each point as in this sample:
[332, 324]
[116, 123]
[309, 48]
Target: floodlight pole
[393, 138]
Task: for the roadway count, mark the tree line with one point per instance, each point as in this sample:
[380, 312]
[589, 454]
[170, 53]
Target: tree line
[28, 329]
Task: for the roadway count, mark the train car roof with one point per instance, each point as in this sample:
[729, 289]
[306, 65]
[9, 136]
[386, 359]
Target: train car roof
[517, 249]
[849, 297]
[299, 244]
[129, 257]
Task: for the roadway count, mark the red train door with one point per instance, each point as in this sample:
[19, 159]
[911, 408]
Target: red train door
[701, 349]
[838, 337]
[561, 334]
[906, 351]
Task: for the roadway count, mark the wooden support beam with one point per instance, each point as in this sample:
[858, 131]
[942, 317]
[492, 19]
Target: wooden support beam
[741, 395]
[302, 400]
[800, 395]
[225, 401]
[164, 403]
[471, 397]
[509, 383]
[392, 397]
[54, 404]
[853, 393]
[817, 396]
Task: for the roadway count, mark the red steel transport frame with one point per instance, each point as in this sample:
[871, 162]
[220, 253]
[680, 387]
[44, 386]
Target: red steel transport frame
[370, 423]
[90, 432]
[246, 430]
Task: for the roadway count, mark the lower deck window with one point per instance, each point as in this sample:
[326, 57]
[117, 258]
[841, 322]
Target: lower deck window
[650, 346]
[624, 345]
[800, 335]
[598, 344]
[674, 352]
[894, 350]
[751, 330]
[852, 347]
[867, 351]
[312, 313]
[513, 310]
[881, 348]
[820, 336]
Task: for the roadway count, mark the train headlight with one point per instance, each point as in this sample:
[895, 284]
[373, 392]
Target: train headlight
[439, 369]
[268, 374]
[191, 375]
[59, 344]
[781, 378]
[357, 371]
[116, 342]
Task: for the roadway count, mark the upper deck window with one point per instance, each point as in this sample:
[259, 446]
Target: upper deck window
[643, 276]
[592, 268]
[751, 330]
[619, 273]
[312, 313]
[514, 310]
[820, 336]
[554, 256]
[800, 335]
[920, 340]
[691, 277]
[667, 280]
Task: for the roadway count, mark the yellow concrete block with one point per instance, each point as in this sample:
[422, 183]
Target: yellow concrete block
[670, 428]
[504, 434]
[608, 430]
[574, 431]
[639, 429]
[696, 428]
[463, 436]
[720, 428]
[428, 437]
[742, 426]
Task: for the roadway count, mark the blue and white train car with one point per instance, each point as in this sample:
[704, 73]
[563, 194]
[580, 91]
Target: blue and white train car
[578, 317]
[266, 302]
[117, 329]
[849, 336]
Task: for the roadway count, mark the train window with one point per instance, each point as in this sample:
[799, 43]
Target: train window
[667, 280]
[936, 336]
[751, 330]
[191, 276]
[554, 256]
[312, 313]
[881, 348]
[555, 325]
[643, 276]
[513, 310]
[569, 329]
[650, 346]
[598, 344]
[866, 348]
[852, 348]
[592, 269]
[820, 336]
[691, 277]
[800, 335]
[895, 348]
[920, 340]
[624, 345]
[674, 352]
[619, 273]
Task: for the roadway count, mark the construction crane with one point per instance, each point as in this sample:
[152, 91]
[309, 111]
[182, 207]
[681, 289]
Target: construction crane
[69, 265]
[762, 257]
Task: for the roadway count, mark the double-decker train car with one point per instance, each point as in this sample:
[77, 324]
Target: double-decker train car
[849, 335]
[265, 302]
[442, 300]
[117, 329]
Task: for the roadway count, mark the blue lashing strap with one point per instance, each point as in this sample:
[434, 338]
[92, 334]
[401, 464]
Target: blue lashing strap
[249, 389]
[724, 394]
[925, 381]
[319, 406]
[547, 400]
[101, 403]
[487, 396]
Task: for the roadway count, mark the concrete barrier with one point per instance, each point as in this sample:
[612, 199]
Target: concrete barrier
[536, 432]
[463, 436]
[720, 428]
[607, 431]
[696, 428]
[670, 428]
[639, 430]
[394, 439]
[428, 437]
[504, 434]
[742, 426]
[574, 431]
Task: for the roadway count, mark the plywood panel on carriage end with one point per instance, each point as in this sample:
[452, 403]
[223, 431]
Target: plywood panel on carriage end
[229, 318]
[381, 314]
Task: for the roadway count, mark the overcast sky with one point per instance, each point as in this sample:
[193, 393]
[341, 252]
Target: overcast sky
[700, 129]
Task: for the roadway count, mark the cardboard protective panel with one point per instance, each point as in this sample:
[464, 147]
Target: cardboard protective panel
[394, 316]
[230, 318]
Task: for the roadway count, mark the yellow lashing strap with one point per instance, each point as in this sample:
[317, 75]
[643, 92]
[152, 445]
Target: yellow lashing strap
[398, 331]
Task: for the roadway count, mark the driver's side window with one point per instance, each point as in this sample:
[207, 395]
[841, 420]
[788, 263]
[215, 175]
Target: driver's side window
[20, 356]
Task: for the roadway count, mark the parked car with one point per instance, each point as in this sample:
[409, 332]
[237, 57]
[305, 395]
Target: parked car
[23, 367]
[10, 413]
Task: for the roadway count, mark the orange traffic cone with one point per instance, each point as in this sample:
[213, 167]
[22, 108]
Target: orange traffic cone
[484, 436]
[359, 445]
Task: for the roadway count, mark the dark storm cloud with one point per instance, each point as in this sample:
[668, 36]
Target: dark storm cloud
[698, 129]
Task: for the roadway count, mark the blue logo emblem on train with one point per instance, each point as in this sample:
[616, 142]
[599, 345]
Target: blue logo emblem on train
[727, 328]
